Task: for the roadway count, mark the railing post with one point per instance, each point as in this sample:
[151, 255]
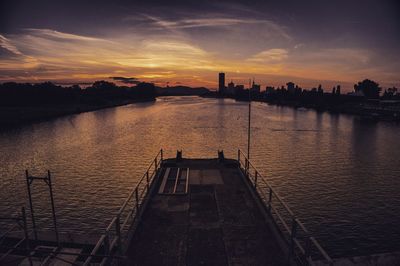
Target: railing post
[270, 199]
[255, 179]
[107, 246]
[52, 207]
[293, 236]
[155, 164]
[246, 166]
[28, 184]
[137, 200]
[239, 156]
[24, 223]
[147, 180]
[118, 231]
[307, 251]
[162, 156]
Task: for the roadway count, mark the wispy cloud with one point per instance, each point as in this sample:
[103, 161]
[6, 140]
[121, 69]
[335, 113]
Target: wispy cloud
[48, 33]
[44, 54]
[218, 21]
[52, 54]
[208, 22]
[270, 56]
[7, 44]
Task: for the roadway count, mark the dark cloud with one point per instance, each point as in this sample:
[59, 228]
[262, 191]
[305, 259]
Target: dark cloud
[126, 80]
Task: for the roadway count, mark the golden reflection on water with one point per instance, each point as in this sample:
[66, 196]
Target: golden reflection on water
[337, 172]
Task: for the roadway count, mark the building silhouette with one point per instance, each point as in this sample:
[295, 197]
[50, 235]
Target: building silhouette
[231, 88]
[255, 89]
[290, 87]
[221, 79]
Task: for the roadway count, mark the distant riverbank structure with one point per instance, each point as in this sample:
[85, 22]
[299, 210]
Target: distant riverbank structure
[365, 100]
[221, 83]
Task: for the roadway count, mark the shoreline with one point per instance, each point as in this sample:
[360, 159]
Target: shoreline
[361, 109]
[12, 117]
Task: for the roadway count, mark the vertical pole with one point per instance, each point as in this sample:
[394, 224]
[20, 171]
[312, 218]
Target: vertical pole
[292, 236]
[162, 155]
[147, 180]
[270, 199]
[28, 184]
[155, 164]
[137, 200]
[255, 179]
[307, 252]
[26, 235]
[107, 247]
[248, 129]
[118, 231]
[52, 207]
[239, 157]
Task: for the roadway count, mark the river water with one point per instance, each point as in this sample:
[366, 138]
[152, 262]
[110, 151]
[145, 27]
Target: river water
[338, 173]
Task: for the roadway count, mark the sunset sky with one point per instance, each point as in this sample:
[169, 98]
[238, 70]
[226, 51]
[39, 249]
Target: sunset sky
[189, 42]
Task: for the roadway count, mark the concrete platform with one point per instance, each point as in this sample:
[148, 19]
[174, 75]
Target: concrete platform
[216, 223]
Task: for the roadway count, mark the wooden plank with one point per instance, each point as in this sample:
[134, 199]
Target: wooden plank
[164, 181]
[187, 181]
[176, 180]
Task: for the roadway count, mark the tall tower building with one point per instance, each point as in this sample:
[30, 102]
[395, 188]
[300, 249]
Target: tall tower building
[221, 79]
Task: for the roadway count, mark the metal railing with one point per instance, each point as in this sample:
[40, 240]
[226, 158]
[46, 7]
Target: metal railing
[302, 247]
[20, 222]
[119, 230]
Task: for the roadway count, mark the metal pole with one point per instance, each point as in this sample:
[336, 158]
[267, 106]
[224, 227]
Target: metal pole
[147, 181]
[107, 247]
[26, 235]
[245, 165]
[292, 237]
[28, 184]
[248, 129]
[118, 231]
[137, 201]
[307, 251]
[270, 199]
[52, 206]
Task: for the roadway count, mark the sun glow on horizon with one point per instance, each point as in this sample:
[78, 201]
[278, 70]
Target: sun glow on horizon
[172, 56]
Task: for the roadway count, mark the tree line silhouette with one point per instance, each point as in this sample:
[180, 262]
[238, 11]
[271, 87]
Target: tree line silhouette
[47, 93]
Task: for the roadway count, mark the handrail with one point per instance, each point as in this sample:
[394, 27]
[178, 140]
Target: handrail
[296, 225]
[128, 211]
[114, 234]
[140, 180]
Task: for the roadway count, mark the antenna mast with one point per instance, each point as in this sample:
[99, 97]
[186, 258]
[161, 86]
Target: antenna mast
[248, 128]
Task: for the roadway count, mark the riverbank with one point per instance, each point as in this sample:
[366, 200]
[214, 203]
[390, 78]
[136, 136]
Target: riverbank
[20, 115]
[375, 110]
[362, 109]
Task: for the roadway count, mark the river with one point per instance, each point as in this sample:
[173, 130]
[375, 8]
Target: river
[338, 173]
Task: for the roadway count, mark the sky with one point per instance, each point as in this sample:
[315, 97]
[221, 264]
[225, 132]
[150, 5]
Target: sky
[189, 42]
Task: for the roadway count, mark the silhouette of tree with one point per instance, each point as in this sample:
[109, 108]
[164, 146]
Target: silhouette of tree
[102, 85]
[369, 88]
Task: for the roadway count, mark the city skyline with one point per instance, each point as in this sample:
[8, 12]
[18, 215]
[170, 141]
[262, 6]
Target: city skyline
[186, 43]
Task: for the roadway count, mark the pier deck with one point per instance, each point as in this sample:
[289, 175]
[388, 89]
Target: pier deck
[216, 223]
